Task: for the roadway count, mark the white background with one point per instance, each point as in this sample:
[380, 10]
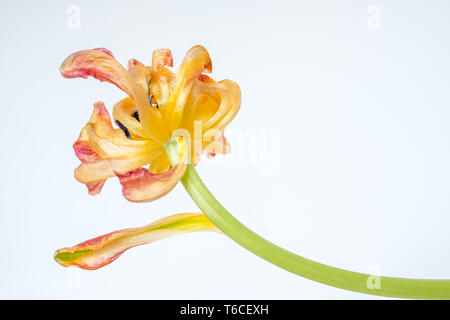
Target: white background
[361, 108]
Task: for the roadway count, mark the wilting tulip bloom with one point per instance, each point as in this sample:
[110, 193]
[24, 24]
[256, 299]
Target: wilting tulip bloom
[187, 108]
[163, 126]
[159, 106]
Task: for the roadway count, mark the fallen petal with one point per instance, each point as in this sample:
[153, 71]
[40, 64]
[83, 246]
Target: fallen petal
[98, 252]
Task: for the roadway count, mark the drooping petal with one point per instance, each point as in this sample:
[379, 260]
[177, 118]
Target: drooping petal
[195, 62]
[104, 150]
[100, 251]
[140, 185]
[98, 63]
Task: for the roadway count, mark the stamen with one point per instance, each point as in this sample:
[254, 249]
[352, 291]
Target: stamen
[124, 129]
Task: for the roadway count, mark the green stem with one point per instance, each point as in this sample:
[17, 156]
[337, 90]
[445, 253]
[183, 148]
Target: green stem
[340, 278]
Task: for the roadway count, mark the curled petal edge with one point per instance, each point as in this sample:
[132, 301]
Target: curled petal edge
[161, 58]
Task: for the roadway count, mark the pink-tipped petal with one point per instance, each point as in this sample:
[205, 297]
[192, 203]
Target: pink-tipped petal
[140, 185]
[161, 58]
[108, 52]
[98, 63]
[83, 152]
[95, 188]
[132, 63]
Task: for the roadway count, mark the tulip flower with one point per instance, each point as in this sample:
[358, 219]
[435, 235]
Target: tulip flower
[160, 105]
[163, 127]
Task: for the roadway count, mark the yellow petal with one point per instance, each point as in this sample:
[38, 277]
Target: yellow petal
[214, 105]
[195, 62]
[206, 108]
[230, 102]
[162, 79]
[161, 87]
[202, 103]
[140, 185]
[102, 169]
[104, 150]
[160, 164]
[150, 117]
[123, 111]
[100, 251]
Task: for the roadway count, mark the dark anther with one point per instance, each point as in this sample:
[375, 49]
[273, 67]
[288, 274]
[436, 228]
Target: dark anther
[136, 115]
[124, 129]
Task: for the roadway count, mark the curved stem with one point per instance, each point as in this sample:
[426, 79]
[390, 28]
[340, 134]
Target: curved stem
[340, 278]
